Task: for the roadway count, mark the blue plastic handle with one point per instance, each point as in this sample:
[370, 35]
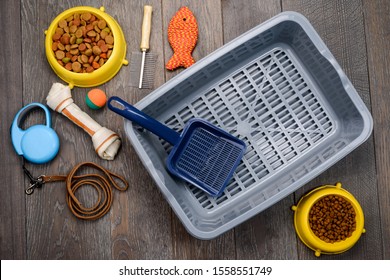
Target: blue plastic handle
[16, 132]
[38, 143]
[128, 111]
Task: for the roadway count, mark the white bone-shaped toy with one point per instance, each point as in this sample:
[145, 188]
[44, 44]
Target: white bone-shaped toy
[105, 141]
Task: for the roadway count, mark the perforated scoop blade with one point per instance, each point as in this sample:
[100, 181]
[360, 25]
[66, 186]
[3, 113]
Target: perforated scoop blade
[206, 155]
[203, 154]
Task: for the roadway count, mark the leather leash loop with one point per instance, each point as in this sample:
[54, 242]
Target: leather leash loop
[102, 183]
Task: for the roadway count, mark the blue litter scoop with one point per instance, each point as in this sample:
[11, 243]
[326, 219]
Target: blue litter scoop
[203, 154]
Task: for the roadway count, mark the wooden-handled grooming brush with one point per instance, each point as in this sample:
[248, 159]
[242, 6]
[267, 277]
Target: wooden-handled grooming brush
[142, 67]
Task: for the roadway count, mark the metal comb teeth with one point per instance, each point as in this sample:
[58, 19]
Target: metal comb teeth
[149, 69]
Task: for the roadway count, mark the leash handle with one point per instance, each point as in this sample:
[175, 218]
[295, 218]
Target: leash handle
[102, 182]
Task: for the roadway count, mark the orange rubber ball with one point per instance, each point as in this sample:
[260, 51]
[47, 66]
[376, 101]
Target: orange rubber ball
[96, 99]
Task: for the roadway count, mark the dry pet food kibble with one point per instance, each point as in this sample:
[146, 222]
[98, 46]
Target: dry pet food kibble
[82, 43]
[332, 219]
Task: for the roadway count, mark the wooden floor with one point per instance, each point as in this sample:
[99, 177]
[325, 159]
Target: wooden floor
[141, 224]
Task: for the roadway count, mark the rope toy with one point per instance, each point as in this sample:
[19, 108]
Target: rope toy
[182, 36]
[105, 141]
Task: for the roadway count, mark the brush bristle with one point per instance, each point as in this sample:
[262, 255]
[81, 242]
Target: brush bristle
[149, 69]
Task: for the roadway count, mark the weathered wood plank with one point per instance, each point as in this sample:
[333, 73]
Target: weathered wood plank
[12, 206]
[377, 27]
[140, 218]
[268, 235]
[52, 231]
[340, 25]
[209, 18]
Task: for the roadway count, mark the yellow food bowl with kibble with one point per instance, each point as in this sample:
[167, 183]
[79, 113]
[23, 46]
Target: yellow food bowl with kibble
[109, 65]
[303, 220]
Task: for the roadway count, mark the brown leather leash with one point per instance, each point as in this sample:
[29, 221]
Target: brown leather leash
[102, 184]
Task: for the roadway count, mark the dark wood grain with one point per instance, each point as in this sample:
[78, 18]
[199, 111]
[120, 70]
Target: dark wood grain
[377, 24]
[208, 16]
[141, 218]
[141, 224]
[340, 25]
[52, 231]
[254, 237]
[12, 206]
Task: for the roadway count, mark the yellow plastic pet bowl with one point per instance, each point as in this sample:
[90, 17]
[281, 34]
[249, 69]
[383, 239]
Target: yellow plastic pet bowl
[104, 73]
[302, 227]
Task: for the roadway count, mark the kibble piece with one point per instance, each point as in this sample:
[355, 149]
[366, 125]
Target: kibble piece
[88, 52]
[65, 39]
[96, 50]
[86, 16]
[76, 22]
[96, 28]
[56, 37]
[89, 27]
[68, 66]
[109, 39]
[79, 33]
[82, 47]
[103, 34]
[73, 29]
[104, 48]
[59, 31]
[102, 24]
[95, 65]
[76, 66]
[65, 60]
[60, 54]
[54, 46]
[73, 39]
[62, 23]
[74, 51]
[91, 33]
[84, 58]
[91, 59]
[101, 42]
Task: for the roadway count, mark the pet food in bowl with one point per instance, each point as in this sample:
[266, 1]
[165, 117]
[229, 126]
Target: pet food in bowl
[85, 46]
[329, 220]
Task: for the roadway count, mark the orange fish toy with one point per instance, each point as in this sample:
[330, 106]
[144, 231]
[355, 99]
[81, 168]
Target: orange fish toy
[182, 36]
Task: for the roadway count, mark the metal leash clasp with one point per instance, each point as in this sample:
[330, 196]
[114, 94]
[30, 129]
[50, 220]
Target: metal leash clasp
[34, 182]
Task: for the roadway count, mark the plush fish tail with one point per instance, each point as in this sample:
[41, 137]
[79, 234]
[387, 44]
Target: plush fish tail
[174, 62]
[182, 59]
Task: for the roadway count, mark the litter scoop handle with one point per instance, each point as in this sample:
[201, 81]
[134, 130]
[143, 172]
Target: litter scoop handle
[129, 112]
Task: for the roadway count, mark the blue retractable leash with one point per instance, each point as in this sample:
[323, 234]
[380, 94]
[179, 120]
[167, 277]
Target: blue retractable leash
[40, 144]
[37, 144]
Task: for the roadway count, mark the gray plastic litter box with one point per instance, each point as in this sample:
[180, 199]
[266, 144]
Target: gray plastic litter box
[279, 89]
